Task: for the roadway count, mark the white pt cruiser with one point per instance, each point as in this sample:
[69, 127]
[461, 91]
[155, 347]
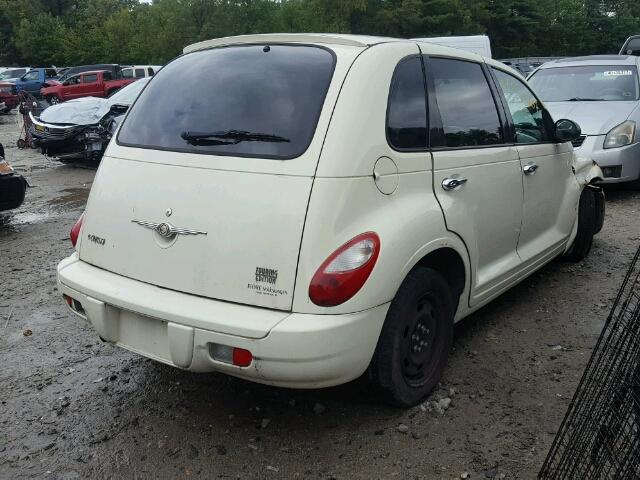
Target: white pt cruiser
[298, 210]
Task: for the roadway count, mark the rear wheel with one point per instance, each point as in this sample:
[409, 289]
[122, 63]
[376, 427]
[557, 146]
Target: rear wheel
[414, 344]
[53, 100]
[21, 143]
[586, 227]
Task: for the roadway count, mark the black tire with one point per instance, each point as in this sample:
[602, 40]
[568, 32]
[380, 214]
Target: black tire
[416, 338]
[21, 144]
[53, 100]
[586, 227]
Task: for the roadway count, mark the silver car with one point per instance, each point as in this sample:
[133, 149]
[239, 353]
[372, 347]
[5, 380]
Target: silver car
[602, 94]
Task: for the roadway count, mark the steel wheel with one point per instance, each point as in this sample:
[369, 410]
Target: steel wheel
[417, 345]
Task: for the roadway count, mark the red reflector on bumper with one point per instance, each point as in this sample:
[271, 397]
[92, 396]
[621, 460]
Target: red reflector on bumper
[242, 357]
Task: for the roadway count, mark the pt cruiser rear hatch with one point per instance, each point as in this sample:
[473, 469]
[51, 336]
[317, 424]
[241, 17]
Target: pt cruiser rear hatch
[206, 189]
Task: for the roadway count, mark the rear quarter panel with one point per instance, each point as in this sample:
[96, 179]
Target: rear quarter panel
[346, 202]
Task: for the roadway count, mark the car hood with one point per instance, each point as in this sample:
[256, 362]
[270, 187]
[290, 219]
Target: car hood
[594, 118]
[81, 111]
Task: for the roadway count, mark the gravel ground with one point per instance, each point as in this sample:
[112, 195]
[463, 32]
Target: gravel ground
[74, 407]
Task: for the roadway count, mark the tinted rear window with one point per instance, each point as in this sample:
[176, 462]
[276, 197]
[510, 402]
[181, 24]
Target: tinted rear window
[254, 100]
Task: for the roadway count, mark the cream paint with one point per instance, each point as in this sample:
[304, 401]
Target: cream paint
[291, 215]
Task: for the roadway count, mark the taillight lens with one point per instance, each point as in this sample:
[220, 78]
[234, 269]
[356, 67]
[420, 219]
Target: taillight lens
[346, 270]
[75, 230]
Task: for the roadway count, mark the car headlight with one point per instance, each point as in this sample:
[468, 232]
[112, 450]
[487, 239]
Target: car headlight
[621, 135]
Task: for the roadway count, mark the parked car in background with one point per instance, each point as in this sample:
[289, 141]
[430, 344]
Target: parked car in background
[631, 46]
[602, 94]
[81, 129]
[71, 71]
[12, 185]
[8, 97]
[526, 65]
[192, 252]
[140, 71]
[34, 80]
[479, 44]
[13, 73]
[87, 84]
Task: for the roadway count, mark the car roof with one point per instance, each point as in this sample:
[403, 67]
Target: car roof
[592, 60]
[362, 41]
[89, 72]
[322, 38]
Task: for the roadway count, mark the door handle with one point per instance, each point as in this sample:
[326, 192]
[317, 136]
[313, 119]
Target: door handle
[530, 169]
[451, 183]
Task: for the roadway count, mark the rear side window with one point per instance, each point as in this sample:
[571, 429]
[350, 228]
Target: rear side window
[407, 115]
[139, 73]
[107, 76]
[90, 78]
[467, 108]
[251, 101]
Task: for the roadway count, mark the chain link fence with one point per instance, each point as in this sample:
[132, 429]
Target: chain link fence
[600, 435]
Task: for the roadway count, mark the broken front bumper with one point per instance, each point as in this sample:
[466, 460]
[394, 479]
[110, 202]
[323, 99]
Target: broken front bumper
[289, 349]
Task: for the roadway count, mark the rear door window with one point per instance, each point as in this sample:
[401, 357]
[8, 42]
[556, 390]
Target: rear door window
[407, 115]
[92, 78]
[252, 101]
[139, 73]
[467, 107]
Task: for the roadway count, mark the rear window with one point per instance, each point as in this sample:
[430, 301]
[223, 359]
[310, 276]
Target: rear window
[248, 101]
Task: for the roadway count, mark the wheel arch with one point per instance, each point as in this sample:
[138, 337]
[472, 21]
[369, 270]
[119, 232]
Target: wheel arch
[449, 257]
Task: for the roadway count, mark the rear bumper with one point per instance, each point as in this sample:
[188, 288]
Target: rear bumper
[289, 349]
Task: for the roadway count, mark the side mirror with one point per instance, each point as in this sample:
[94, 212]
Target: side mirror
[567, 130]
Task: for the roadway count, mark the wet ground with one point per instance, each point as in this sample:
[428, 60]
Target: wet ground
[74, 407]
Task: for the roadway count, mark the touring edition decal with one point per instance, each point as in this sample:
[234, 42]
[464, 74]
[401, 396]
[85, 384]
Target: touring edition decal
[265, 282]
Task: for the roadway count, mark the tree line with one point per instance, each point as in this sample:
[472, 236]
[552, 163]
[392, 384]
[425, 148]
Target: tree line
[73, 32]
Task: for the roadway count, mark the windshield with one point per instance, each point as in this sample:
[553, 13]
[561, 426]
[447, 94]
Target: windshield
[586, 83]
[128, 94]
[254, 100]
[11, 74]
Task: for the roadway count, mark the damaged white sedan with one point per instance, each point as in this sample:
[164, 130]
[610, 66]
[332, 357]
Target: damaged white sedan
[81, 129]
[299, 210]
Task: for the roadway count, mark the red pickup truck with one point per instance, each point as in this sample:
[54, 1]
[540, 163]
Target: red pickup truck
[8, 97]
[86, 84]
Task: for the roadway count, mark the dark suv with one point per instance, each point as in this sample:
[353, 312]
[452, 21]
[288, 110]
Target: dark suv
[111, 67]
[631, 46]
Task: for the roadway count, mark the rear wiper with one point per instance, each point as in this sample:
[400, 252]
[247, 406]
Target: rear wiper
[229, 137]
[578, 99]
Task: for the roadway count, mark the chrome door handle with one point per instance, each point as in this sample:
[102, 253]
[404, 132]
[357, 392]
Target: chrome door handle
[530, 169]
[451, 183]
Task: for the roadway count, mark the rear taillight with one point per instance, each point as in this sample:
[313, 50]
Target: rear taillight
[346, 270]
[75, 230]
